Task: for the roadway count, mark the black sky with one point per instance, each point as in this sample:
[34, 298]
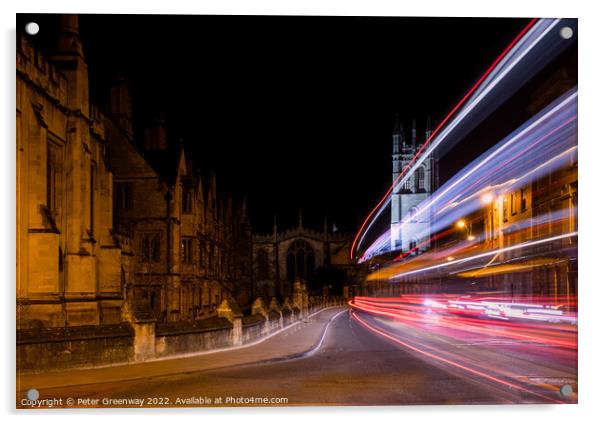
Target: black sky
[294, 112]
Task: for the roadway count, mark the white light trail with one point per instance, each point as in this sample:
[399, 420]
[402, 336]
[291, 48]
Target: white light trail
[487, 254]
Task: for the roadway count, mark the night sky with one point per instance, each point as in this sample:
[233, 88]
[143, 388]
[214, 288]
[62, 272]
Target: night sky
[293, 112]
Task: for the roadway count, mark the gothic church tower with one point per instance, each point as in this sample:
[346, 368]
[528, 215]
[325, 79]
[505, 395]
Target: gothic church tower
[409, 232]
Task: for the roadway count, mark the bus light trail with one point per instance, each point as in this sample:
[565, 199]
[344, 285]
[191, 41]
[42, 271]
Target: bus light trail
[438, 128]
[487, 254]
[550, 139]
[536, 44]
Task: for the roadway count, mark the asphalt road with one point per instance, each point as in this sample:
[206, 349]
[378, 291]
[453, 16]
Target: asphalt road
[354, 366]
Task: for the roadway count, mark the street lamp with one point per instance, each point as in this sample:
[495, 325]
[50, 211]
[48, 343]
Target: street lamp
[487, 198]
[461, 224]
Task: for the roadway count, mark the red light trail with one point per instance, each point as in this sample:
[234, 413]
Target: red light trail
[462, 360]
[438, 128]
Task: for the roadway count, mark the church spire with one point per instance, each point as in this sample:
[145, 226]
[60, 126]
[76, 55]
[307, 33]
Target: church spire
[397, 125]
[398, 139]
[429, 128]
[414, 133]
[300, 218]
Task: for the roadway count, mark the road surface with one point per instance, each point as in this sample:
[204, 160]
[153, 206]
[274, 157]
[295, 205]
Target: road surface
[353, 364]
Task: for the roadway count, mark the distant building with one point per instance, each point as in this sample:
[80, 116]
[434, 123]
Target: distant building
[409, 232]
[282, 257]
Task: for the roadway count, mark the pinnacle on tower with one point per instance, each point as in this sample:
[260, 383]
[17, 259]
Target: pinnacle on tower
[397, 125]
[429, 128]
[414, 133]
[398, 138]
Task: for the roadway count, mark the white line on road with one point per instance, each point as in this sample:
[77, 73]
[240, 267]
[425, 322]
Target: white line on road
[319, 345]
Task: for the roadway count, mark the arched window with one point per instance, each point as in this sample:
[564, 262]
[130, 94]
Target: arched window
[412, 213]
[419, 179]
[407, 185]
[300, 261]
[262, 265]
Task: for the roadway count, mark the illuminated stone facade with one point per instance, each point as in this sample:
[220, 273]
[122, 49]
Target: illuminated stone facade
[104, 229]
[70, 264]
[191, 248]
[409, 232]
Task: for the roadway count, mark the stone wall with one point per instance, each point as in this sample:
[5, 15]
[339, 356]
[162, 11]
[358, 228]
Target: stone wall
[253, 328]
[41, 350]
[47, 349]
[184, 337]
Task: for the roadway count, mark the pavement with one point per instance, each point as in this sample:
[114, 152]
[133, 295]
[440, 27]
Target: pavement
[294, 341]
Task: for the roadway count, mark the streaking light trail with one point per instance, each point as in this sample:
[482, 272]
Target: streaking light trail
[529, 44]
[545, 143]
[471, 369]
[437, 327]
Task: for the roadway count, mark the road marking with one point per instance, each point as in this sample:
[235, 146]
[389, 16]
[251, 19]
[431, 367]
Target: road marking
[319, 345]
[237, 347]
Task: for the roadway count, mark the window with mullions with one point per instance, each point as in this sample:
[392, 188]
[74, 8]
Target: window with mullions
[300, 260]
[513, 203]
[93, 178]
[123, 196]
[419, 179]
[201, 253]
[187, 250]
[54, 178]
[187, 198]
[523, 200]
[150, 247]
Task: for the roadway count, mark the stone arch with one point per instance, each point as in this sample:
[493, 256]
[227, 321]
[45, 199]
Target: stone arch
[412, 213]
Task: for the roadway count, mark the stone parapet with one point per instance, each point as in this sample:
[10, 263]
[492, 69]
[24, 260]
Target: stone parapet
[42, 349]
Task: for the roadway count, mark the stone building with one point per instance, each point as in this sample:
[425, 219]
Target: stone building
[191, 247]
[409, 233]
[105, 229]
[282, 257]
[551, 268]
[70, 264]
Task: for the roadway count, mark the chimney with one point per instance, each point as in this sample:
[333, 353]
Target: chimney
[120, 105]
[155, 137]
